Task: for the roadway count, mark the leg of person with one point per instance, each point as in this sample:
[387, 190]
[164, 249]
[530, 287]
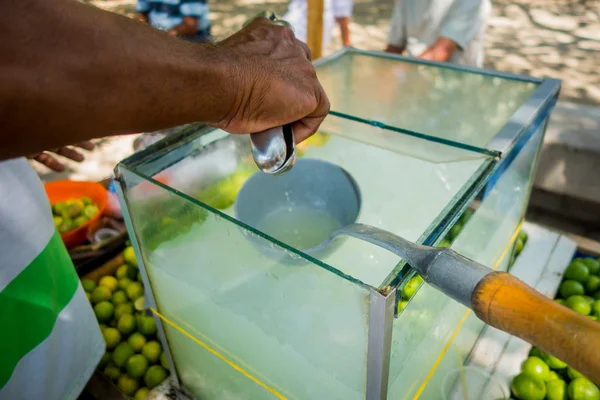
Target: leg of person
[344, 24]
[342, 10]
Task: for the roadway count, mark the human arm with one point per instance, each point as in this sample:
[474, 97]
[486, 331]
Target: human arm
[84, 73]
[397, 36]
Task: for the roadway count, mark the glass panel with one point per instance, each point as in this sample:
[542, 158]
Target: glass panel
[444, 102]
[400, 193]
[487, 237]
[299, 330]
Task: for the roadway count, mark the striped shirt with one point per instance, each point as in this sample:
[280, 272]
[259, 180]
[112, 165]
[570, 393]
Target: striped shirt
[167, 14]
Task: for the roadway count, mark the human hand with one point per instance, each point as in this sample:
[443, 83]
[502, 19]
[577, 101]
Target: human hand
[141, 17]
[188, 27]
[274, 82]
[441, 50]
[47, 159]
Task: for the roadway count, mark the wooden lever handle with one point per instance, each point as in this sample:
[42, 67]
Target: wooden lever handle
[506, 303]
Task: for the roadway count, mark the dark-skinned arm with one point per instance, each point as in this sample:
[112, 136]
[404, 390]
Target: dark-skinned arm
[82, 72]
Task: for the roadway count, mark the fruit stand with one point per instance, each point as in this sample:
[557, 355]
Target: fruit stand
[441, 155]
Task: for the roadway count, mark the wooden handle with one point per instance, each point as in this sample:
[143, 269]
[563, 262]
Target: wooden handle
[507, 303]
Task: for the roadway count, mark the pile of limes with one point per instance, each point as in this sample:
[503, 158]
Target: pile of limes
[73, 213]
[134, 358]
[546, 377]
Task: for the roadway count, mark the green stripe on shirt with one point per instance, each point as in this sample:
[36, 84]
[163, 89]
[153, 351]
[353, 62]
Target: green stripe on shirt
[30, 304]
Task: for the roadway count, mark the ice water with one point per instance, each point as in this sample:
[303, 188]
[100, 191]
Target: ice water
[299, 227]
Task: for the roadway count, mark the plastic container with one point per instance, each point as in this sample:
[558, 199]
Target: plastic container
[64, 190]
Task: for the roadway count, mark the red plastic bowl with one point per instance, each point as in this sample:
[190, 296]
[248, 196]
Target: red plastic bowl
[64, 190]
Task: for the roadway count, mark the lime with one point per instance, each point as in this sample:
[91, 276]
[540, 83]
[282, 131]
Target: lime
[104, 311]
[106, 357]
[552, 362]
[596, 307]
[59, 207]
[112, 337]
[121, 272]
[134, 290]
[112, 372]
[582, 389]
[593, 284]
[141, 394]
[129, 256]
[122, 309]
[579, 304]
[519, 246]
[57, 221]
[138, 304]
[119, 297]
[126, 324]
[89, 296]
[73, 209]
[595, 318]
[536, 367]
[137, 341]
[66, 225]
[597, 295]
[101, 293]
[88, 285]
[146, 325]
[444, 243]
[593, 265]
[571, 288]
[553, 375]
[122, 353]
[124, 282]
[127, 384]
[90, 211]
[573, 374]
[86, 200]
[455, 230]
[139, 277]
[402, 305]
[556, 389]
[526, 387]
[132, 273]
[523, 236]
[155, 376]
[163, 361]
[151, 351]
[535, 352]
[81, 220]
[411, 287]
[577, 271]
[560, 301]
[102, 327]
[136, 366]
[109, 282]
[589, 299]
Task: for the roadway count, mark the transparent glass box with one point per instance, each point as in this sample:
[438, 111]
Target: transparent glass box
[431, 146]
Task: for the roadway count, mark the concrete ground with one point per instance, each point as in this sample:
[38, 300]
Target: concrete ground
[542, 38]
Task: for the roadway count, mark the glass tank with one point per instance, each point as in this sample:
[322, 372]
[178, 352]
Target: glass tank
[440, 155]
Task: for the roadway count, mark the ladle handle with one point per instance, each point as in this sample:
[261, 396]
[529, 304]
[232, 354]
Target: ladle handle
[505, 302]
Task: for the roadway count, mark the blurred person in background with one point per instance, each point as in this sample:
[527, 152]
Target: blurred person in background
[187, 19]
[440, 30]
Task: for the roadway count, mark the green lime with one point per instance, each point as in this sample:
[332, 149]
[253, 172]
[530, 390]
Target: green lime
[535, 352]
[151, 351]
[553, 375]
[596, 308]
[136, 366]
[577, 271]
[163, 361]
[519, 246]
[573, 374]
[122, 309]
[132, 273]
[137, 341]
[146, 325]
[90, 211]
[109, 282]
[536, 368]
[402, 305]
[86, 201]
[59, 207]
[88, 285]
[101, 293]
[523, 236]
[411, 287]
[123, 283]
[89, 296]
[455, 230]
[104, 311]
[155, 376]
[595, 318]
[526, 387]
[138, 304]
[444, 243]
[121, 272]
[57, 221]
[79, 221]
[560, 301]
[112, 337]
[141, 394]
[589, 299]
[553, 362]
[139, 277]
[126, 324]
[556, 389]
[127, 385]
[129, 256]
[593, 284]
[119, 297]
[582, 389]
[106, 357]
[571, 288]
[112, 372]
[593, 265]
[579, 304]
[102, 327]
[134, 290]
[122, 353]
[596, 295]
